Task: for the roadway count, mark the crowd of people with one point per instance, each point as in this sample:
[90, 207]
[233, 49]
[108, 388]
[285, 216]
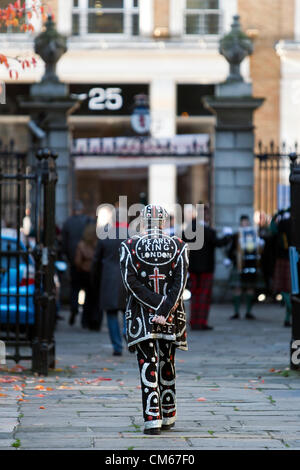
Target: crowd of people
[144, 277]
[248, 254]
[258, 262]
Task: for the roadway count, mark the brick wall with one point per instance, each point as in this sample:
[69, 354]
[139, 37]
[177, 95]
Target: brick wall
[273, 20]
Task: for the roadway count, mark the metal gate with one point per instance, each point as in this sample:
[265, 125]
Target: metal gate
[27, 255]
[271, 174]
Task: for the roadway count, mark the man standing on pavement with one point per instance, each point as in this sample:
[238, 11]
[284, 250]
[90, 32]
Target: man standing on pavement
[201, 269]
[244, 253]
[154, 269]
[71, 235]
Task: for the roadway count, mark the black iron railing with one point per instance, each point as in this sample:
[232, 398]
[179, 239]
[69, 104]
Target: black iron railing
[271, 173]
[27, 292]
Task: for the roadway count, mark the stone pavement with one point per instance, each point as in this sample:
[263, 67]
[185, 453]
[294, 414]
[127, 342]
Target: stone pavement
[234, 391]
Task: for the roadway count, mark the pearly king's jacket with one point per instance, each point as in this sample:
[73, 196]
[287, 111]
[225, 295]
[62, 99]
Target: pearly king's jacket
[154, 271]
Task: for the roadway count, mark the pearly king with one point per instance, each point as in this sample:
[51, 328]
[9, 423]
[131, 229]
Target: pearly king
[154, 269]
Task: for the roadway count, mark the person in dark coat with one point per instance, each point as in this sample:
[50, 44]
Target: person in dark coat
[281, 226]
[154, 271]
[201, 269]
[244, 277]
[84, 256]
[108, 281]
[72, 232]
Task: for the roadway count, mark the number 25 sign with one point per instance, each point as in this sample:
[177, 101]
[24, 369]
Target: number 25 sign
[105, 98]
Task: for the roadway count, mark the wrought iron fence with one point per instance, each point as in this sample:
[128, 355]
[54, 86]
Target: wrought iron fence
[27, 289]
[271, 173]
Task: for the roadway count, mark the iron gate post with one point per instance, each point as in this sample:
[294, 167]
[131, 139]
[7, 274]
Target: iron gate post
[43, 346]
[295, 242]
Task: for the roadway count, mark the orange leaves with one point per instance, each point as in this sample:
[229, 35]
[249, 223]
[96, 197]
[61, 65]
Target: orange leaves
[39, 387]
[97, 381]
[17, 387]
[14, 13]
[25, 63]
[3, 60]
[13, 74]
[7, 379]
[17, 368]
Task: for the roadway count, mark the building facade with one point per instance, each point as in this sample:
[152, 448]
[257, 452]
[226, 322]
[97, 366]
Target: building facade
[169, 51]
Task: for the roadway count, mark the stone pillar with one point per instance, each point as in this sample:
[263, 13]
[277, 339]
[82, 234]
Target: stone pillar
[233, 162]
[47, 106]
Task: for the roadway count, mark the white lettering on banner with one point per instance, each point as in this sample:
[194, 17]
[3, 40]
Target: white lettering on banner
[105, 98]
[160, 250]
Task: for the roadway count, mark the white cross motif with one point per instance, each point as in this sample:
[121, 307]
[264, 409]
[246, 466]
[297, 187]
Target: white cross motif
[156, 276]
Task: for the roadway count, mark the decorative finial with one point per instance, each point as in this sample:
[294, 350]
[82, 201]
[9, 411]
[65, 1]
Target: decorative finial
[235, 47]
[50, 45]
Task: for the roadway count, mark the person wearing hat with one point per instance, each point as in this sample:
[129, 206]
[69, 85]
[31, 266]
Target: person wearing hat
[154, 271]
[201, 270]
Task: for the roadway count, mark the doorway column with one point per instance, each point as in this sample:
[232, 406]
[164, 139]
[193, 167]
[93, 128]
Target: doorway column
[162, 177]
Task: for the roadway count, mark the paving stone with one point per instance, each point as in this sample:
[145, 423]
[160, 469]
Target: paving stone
[246, 406]
[146, 443]
[236, 444]
[54, 443]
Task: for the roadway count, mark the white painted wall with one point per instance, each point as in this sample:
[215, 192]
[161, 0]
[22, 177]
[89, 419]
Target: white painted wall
[162, 185]
[230, 8]
[183, 65]
[64, 19]
[176, 23]
[163, 107]
[162, 177]
[290, 97]
[146, 18]
[297, 20]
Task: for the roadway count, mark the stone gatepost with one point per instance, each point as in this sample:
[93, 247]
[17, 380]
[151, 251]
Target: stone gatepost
[233, 161]
[47, 106]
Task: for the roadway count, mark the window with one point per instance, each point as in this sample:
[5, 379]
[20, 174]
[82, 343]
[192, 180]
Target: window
[203, 17]
[105, 17]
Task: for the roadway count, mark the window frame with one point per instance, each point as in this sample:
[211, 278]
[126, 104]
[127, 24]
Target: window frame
[83, 10]
[203, 12]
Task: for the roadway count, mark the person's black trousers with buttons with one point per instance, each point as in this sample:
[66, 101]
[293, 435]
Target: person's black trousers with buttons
[156, 359]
